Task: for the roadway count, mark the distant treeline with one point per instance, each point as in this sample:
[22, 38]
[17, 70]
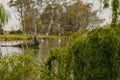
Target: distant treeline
[55, 17]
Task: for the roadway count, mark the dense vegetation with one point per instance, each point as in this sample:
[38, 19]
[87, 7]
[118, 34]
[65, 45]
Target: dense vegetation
[93, 55]
[20, 67]
[90, 55]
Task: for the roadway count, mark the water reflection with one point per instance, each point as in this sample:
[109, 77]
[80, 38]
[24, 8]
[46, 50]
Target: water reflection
[11, 50]
[44, 47]
[48, 44]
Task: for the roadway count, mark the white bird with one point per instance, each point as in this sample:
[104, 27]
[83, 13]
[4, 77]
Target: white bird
[59, 40]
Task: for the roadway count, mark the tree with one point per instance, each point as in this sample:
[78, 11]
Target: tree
[79, 16]
[27, 10]
[69, 17]
[115, 10]
[51, 18]
[3, 17]
[19, 8]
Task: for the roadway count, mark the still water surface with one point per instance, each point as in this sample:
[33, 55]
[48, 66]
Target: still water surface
[44, 47]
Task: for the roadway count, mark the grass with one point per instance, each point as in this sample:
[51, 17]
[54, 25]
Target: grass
[14, 37]
[6, 37]
[53, 37]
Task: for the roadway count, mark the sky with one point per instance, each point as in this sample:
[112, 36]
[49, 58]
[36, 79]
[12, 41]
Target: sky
[102, 13]
[14, 23]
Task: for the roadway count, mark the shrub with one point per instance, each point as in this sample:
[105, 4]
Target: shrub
[94, 55]
[21, 67]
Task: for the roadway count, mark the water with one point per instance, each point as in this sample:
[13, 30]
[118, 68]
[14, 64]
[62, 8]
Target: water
[44, 47]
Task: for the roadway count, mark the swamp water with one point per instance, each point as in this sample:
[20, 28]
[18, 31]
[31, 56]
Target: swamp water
[44, 47]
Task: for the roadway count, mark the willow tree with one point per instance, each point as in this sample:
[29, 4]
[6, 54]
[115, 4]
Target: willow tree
[3, 17]
[115, 10]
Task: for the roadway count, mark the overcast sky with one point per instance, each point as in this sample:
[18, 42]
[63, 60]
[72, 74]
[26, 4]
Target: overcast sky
[14, 23]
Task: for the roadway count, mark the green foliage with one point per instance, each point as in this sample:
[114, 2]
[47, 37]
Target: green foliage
[1, 30]
[28, 37]
[94, 55]
[21, 67]
[55, 64]
[115, 8]
[3, 15]
[16, 37]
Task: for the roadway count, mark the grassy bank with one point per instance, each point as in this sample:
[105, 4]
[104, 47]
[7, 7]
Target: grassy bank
[28, 37]
[14, 37]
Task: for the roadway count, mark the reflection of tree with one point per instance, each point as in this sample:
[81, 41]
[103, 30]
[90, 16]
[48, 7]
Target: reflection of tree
[32, 51]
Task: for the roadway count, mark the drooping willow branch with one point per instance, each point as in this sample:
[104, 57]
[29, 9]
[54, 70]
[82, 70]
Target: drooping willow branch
[115, 9]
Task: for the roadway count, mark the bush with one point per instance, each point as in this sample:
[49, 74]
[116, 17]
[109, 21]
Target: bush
[21, 67]
[94, 55]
